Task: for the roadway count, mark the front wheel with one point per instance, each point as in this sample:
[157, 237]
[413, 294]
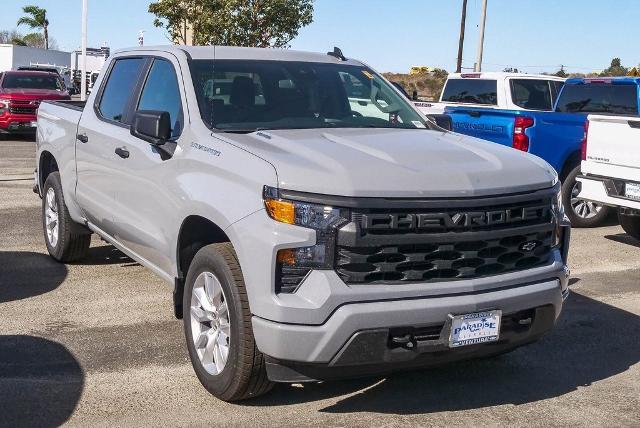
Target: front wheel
[581, 213]
[217, 325]
[630, 224]
[66, 241]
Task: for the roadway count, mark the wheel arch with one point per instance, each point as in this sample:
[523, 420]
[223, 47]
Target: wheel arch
[46, 165]
[572, 160]
[195, 232]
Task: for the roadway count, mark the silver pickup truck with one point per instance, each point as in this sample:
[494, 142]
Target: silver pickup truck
[309, 235]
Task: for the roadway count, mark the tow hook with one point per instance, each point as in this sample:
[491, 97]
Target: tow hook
[403, 341]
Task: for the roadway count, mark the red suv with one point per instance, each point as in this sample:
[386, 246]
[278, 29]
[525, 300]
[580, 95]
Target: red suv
[20, 95]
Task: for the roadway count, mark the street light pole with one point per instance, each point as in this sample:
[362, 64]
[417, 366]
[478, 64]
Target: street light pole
[83, 78]
[461, 42]
[483, 19]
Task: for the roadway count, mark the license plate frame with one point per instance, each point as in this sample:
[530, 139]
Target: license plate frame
[475, 328]
[632, 191]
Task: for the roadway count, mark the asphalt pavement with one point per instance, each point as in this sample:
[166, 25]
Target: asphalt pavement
[95, 343]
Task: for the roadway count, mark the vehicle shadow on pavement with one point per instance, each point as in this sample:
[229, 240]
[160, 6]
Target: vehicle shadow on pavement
[26, 274]
[592, 341]
[623, 238]
[40, 382]
[106, 255]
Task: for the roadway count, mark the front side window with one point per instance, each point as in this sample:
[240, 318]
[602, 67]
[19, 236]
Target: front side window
[471, 91]
[119, 88]
[47, 82]
[599, 98]
[246, 95]
[531, 94]
[162, 93]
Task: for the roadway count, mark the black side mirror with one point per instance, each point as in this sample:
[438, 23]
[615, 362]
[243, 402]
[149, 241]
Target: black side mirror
[442, 120]
[152, 126]
[414, 96]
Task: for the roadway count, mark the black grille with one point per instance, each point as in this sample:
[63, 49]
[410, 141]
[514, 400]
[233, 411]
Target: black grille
[22, 110]
[400, 251]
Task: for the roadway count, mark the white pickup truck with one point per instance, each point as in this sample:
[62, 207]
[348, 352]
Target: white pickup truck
[506, 91]
[611, 167]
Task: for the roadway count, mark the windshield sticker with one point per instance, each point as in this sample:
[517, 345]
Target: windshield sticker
[209, 150]
[366, 73]
[418, 124]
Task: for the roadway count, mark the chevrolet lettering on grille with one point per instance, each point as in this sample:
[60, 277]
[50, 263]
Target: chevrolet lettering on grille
[453, 220]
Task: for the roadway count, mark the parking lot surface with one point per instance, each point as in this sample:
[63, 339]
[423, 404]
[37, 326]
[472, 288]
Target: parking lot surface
[96, 344]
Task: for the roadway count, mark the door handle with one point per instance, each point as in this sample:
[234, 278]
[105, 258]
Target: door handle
[82, 138]
[122, 152]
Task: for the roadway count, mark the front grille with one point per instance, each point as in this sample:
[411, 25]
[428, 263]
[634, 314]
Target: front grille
[396, 249]
[22, 110]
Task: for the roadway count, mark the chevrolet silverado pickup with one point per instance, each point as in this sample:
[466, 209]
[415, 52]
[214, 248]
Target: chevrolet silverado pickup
[610, 171]
[21, 92]
[556, 136]
[306, 236]
[496, 90]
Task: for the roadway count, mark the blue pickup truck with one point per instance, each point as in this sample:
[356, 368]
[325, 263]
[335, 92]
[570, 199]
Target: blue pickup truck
[556, 136]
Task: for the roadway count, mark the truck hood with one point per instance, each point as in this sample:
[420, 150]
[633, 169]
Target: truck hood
[395, 163]
[32, 94]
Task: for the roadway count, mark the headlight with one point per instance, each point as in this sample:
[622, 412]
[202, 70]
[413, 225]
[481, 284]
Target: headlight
[4, 105]
[293, 264]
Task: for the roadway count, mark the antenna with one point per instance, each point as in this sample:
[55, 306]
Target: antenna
[337, 53]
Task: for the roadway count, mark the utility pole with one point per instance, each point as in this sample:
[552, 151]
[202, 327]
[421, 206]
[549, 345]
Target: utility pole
[483, 19]
[461, 42]
[83, 78]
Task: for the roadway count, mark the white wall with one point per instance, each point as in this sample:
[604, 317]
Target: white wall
[95, 61]
[6, 57]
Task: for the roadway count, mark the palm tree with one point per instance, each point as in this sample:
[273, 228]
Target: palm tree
[36, 17]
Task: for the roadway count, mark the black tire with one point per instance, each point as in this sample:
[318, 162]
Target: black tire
[569, 185]
[630, 224]
[73, 240]
[244, 374]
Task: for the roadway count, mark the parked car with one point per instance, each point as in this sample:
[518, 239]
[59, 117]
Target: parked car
[507, 91]
[611, 167]
[306, 238]
[21, 92]
[556, 136]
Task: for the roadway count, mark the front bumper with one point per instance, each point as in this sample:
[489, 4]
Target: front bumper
[605, 191]
[17, 124]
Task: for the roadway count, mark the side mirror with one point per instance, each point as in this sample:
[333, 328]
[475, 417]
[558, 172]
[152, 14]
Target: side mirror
[152, 126]
[414, 96]
[442, 120]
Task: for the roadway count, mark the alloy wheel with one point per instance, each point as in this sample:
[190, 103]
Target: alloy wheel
[51, 217]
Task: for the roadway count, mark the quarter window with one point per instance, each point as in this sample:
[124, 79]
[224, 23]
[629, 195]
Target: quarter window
[122, 80]
[162, 93]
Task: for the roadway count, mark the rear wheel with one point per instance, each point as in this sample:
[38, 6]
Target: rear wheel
[66, 240]
[581, 213]
[630, 224]
[217, 324]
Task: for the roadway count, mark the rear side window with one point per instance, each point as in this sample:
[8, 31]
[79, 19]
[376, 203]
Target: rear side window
[471, 91]
[531, 94]
[119, 88]
[599, 98]
[161, 92]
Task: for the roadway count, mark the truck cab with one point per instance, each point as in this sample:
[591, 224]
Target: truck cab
[496, 90]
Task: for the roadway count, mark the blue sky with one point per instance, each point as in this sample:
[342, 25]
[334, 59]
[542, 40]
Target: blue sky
[533, 35]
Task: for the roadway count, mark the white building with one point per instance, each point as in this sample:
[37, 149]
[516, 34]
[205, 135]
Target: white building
[95, 59]
[12, 57]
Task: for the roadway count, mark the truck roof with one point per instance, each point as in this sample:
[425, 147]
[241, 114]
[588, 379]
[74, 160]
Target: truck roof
[615, 80]
[234, 52]
[497, 75]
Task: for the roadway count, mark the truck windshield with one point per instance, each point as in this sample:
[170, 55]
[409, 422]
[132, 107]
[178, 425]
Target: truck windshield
[32, 81]
[599, 98]
[244, 96]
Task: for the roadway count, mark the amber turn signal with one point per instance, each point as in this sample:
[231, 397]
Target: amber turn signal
[281, 211]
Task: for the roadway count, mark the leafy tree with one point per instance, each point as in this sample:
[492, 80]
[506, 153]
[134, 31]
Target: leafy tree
[258, 23]
[33, 40]
[36, 17]
[616, 69]
[561, 72]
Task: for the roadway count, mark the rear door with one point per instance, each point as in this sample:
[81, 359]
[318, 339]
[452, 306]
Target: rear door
[103, 128]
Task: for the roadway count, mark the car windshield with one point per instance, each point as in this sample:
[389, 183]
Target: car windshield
[249, 95]
[32, 81]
